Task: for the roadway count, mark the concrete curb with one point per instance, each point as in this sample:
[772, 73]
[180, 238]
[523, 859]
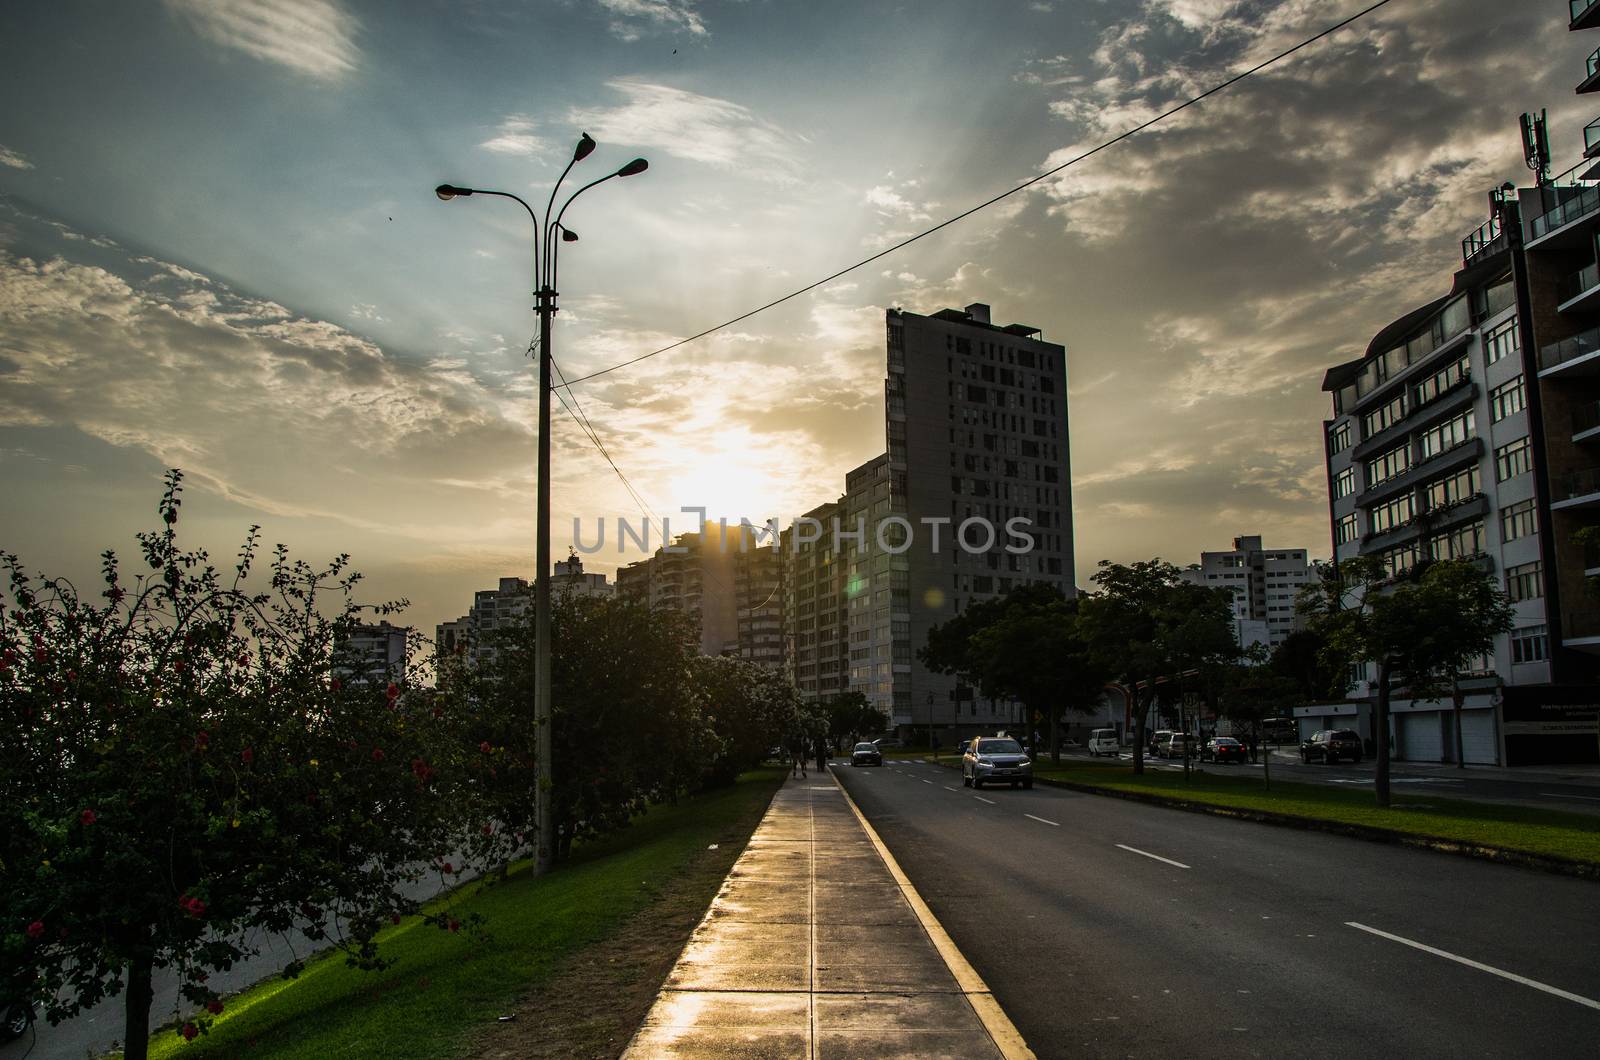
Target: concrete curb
[1504, 855]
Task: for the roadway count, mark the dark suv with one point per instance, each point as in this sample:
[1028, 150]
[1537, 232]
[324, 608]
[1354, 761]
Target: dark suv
[1330, 745]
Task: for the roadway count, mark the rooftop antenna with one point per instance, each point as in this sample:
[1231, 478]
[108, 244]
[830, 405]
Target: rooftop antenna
[1536, 147]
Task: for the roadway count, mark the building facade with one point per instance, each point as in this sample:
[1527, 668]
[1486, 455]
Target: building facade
[374, 652]
[1471, 429]
[1265, 583]
[815, 616]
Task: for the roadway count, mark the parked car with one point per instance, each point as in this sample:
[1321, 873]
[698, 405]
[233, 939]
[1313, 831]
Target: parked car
[1224, 749]
[888, 742]
[995, 760]
[1176, 745]
[15, 1016]
[1157, 738]
[1330, 745]
[1104, 742]
[866, 754]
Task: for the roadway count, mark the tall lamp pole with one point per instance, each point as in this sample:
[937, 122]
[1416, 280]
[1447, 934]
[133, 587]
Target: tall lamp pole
[545, 261]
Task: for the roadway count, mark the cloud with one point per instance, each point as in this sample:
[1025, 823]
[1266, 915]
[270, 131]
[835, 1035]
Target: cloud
[514, 137]
[631, 19]
[705, 129]
[13, 159]
[311, 37]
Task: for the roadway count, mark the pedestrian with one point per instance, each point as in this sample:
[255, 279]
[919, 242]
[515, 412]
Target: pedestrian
[797, 748]
[822, 755]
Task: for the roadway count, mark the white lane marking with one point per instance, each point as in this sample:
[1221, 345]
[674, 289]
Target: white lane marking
[980, 798]
[1559, 795]
[927, 781]
[1491, 969]
[1158, 857]
[1041, 820]
[949, 788]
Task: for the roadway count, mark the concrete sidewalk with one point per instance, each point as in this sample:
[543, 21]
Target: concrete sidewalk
[813, 949]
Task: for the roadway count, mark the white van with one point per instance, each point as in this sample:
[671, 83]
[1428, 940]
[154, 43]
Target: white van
[1104, 742]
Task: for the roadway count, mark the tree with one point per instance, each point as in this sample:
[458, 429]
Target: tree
[748, 707]
[1415, 627]
[1147, 623]
[181, 766]
[850, 716]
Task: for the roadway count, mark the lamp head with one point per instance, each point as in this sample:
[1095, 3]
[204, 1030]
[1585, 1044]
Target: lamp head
[638, 165]
[584, 148]
[446, 192]
[568, 235]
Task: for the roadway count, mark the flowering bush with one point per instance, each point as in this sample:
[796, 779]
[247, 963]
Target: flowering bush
[185, 761]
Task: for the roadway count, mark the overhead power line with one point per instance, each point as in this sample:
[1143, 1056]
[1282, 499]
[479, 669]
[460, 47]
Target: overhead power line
[1164, 115]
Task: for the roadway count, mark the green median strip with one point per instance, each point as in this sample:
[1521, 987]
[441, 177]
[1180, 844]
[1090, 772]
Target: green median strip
[445, 986]
[1482, 826]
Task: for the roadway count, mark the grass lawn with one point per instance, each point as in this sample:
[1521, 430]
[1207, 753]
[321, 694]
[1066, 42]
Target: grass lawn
[444, 986]
[1537, 831]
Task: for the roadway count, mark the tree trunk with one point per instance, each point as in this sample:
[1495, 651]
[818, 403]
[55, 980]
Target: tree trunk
[136, 1010]
[1055, 735]
[1380, 736]
[1266, 762]
[1457, 698]
[1138, 735]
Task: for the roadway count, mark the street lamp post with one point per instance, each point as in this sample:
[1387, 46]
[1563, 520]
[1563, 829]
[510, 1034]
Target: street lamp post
[546, 256]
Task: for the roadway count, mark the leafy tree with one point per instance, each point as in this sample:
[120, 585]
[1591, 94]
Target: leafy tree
[1035, 652]
[748, 707]
[1147, 623]
[181, 766]
[851, 716]
[1416, 629]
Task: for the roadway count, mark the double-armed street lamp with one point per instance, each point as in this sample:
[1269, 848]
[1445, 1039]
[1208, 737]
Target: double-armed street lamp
[546, 253]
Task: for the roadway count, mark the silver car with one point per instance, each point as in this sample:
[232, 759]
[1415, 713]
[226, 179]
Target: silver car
[995, 760]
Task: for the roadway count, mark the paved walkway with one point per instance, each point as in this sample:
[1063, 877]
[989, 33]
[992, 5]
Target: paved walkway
[813, 949]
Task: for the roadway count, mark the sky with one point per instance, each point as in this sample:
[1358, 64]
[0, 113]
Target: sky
[220, 251]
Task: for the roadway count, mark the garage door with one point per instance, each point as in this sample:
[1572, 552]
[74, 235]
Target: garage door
[1420, 737]
[1478, 743]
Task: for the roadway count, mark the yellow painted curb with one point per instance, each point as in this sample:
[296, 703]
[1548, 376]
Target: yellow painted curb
[1005, 1034]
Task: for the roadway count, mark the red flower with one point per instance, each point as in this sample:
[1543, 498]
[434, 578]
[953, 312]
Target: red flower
[335, 684]
[214, 1007]
[36, 929]
[41, 656]
[394, 918]
[86, 817]
[394, 690]
[377, 754]
[189, 1031]
[202, 740]
[247, 756]
[177, 666]
[488, 829]
[454, 925]
[448, 867]
[193, 906]
[484, 747]
[72, 675]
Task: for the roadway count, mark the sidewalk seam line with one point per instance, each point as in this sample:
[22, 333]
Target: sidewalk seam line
[995, 1022]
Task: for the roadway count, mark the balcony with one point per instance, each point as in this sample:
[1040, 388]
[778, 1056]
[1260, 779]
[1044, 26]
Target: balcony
[1575, 201]
[1586, 422]
[1576, 489]
[1574, 356]
[1483, 240]
[1591, 83]
[1580, 290]
[1585, 14]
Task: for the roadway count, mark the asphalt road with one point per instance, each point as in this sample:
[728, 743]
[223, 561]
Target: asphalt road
[1114, 929]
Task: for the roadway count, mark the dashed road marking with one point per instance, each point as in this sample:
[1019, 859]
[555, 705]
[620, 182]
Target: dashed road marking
[1491, 969]
[980, 798]
[1041, 820]
[1157, 857]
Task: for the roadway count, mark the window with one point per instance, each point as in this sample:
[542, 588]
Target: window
[1442, 380]
[1387, 466]
[1447, 435]
[1344, 483]
[1525, 582]
[1512, 460]
[1459, 543]
[1344, 531]
[1395, 513]
[1452, 489]
[1503, 340]
[1506, 399]
[1529, 644]
[1339, 437]
[1400, 559]
[1517, 520]
[1384, 416]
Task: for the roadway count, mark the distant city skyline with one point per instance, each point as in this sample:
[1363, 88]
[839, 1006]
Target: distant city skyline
[219, 250]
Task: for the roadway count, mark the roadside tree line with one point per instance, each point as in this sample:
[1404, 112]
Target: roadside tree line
[190, 756]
